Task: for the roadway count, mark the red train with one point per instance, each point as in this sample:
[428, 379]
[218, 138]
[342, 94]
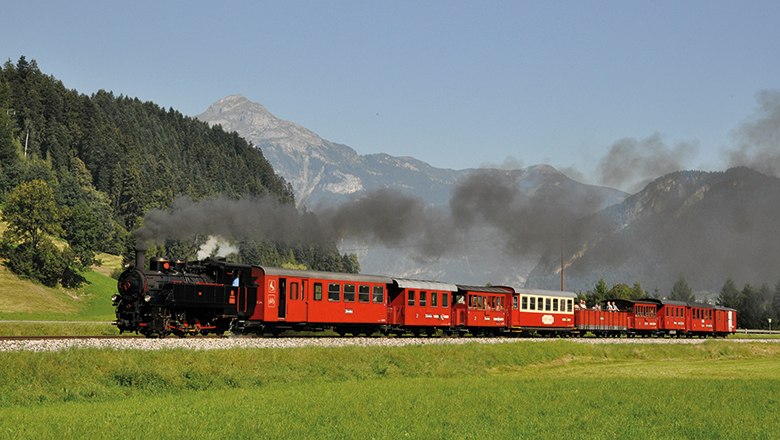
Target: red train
[214, 296]
[654, 317]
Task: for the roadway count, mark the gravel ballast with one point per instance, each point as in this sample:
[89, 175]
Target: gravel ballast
[44, 345]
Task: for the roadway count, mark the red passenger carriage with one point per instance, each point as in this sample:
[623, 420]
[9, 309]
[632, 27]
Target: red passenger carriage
[419, 306]
[480, 309]
[725, 321]
[299, 300]
[542, 311]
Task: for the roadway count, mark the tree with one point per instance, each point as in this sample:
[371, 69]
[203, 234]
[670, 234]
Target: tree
[776, 303]
[681, 291]
[637, 292]
[729, 295]
[749, 307]
[86, 229]
[33, 218]
[31, 213]
[599, 294]
[620, 291]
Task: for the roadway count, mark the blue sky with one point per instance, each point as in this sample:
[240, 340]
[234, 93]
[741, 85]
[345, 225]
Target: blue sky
[456, 84]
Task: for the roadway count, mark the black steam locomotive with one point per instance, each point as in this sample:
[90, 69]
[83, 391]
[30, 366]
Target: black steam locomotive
[176, 297]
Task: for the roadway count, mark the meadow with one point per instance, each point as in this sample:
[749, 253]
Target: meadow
[552, 389]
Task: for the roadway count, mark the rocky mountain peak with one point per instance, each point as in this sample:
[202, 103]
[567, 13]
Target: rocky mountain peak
[254, 122]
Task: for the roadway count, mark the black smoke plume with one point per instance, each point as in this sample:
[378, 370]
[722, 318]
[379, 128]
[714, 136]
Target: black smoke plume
[520, 215]
[632, 163]
[759, 139]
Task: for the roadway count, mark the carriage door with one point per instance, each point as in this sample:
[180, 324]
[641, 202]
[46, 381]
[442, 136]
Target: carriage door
[304, 289]
[282, 298]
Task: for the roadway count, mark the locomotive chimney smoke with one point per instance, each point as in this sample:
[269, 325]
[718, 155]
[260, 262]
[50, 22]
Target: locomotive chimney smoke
[251, 218]
[489, 205]
[759, 139]
[632, 163]
[216, 246]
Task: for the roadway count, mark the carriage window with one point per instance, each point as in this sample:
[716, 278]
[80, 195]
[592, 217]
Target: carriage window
[500, 303]
[570, 305]
[555, 305]
[481, 302]
[547, 304]
[379, 294]
[363, 294]
[444, 299]
[410, 298]
[349, 293]
[434, 299]
[533, 303]
[317, 291]
[514, 302]
[423, 298]
[524, 303]
[334, 292]
[294, 291]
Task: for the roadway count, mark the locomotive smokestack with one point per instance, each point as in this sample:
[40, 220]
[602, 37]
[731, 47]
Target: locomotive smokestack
[140, 257]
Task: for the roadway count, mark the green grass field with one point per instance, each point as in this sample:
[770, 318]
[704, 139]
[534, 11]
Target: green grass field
[559, 389]
[22, 299]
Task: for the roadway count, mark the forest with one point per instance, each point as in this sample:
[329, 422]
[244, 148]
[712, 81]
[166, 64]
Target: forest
[79, 173]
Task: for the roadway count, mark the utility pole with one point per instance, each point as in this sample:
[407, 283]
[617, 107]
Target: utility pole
[563, 277]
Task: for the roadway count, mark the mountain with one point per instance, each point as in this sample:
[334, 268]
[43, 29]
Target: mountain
[324, 173]
[704, 226]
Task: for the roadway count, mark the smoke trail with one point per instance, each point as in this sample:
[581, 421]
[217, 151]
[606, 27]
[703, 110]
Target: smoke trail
[250, 218]
[523, 210]
[632, 163]
[759, 139]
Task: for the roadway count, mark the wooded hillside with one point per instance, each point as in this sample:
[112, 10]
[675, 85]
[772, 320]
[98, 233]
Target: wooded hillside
[109, 159]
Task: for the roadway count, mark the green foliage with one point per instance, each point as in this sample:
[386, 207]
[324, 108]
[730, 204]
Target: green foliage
[729, 295]
[31, 213]
[110, 159]
[681, 291]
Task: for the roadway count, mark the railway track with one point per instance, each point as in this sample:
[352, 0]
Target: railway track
[60, 343]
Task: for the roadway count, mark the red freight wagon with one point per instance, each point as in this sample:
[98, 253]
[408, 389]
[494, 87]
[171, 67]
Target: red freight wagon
[480, 309]
[542, 311]
[601, 322]
[295, 299]
[725, 321]
[419, 306]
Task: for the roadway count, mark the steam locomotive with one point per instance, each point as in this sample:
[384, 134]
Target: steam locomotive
[214, 296]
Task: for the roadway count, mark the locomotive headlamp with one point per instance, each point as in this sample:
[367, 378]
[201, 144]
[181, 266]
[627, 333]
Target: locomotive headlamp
[147, 297]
